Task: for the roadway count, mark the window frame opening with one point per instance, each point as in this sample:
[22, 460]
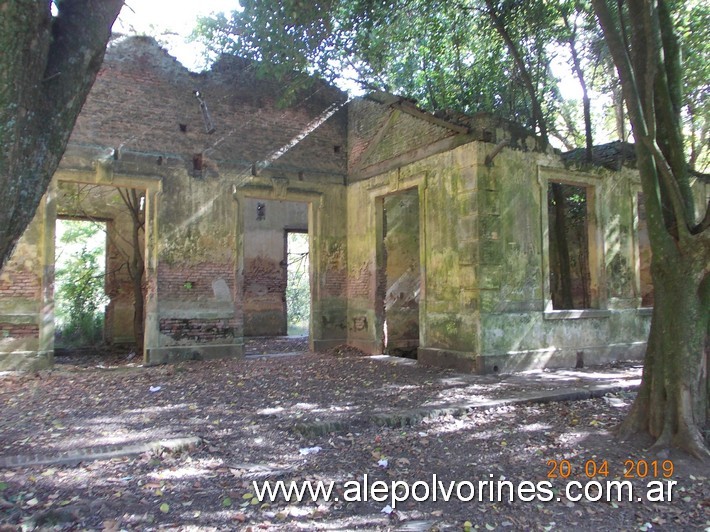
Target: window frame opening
[595, 305]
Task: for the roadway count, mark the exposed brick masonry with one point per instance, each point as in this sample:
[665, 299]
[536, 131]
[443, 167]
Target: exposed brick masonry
[192, 282]
[199, 330]
[13, 330]
[19, 284]
[142, 96]
[264, 276]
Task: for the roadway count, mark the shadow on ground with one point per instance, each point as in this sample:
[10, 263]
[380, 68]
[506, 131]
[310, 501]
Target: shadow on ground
[319, 417]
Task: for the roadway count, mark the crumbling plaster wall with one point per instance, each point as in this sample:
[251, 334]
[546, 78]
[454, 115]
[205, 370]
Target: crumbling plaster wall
[143, 126]
[520, 329]
[484, 301]
[449, 318]
[143, 104]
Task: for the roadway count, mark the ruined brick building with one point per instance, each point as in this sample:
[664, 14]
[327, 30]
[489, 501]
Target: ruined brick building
[427, 234]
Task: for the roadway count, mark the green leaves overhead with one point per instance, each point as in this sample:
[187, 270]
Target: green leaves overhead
[446, 55]
[450, 55]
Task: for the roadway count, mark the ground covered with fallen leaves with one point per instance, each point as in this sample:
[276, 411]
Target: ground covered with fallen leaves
[334, 418]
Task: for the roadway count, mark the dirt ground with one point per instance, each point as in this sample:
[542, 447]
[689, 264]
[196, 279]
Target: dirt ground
[324, 417]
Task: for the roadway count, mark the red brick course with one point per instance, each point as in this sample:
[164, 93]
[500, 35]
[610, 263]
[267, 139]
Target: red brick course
[199, 330]
[14, 330]
[193, 282]
[20, 284]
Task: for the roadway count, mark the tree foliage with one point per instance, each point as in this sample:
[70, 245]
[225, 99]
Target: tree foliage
[445, 55]
[298, 288]
[449, 55]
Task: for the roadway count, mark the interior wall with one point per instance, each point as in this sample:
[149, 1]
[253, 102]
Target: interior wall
[265, 224]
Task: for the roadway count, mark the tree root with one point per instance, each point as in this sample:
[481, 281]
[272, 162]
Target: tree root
[692, 442]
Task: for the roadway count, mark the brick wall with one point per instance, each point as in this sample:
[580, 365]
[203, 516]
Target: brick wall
[18, 284]
[360, 281]
[15, 330]
[264, 276]
[404, 133]
[192, 282]
[198, 330]
[143, 100]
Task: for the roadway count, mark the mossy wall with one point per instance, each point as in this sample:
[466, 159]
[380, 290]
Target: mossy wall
[520, 328]
[485, 301]
[445, 185]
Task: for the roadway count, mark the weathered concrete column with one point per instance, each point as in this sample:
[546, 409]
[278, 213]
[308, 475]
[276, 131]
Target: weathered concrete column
[46, 317]
[152, 321]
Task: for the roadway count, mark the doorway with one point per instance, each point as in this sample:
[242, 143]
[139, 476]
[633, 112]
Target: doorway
[276, 278]
[100, 283]
[298, 285]
[400, 276]
[80, 283]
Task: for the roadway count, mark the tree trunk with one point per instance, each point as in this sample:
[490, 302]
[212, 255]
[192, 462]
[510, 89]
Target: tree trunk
[619, 114]
[47, 67]
[672, 404]
[132, 199]
[586, 102]
[137, 274]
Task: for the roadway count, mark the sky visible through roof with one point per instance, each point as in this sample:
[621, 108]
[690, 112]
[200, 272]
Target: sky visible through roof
[171, 22]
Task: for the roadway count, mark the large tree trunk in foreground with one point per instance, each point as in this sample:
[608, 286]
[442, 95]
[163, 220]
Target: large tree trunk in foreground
[47, 67]
[672, 404]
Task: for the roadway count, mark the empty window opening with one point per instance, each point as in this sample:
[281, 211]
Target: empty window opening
[80, 273]
[298, 286]
[570, 279]
[401, 279]
[644, 247]
[197, 163]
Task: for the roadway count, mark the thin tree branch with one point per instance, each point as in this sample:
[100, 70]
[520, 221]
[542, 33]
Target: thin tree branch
[577, 67]
[634, 106]
[500, 27]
